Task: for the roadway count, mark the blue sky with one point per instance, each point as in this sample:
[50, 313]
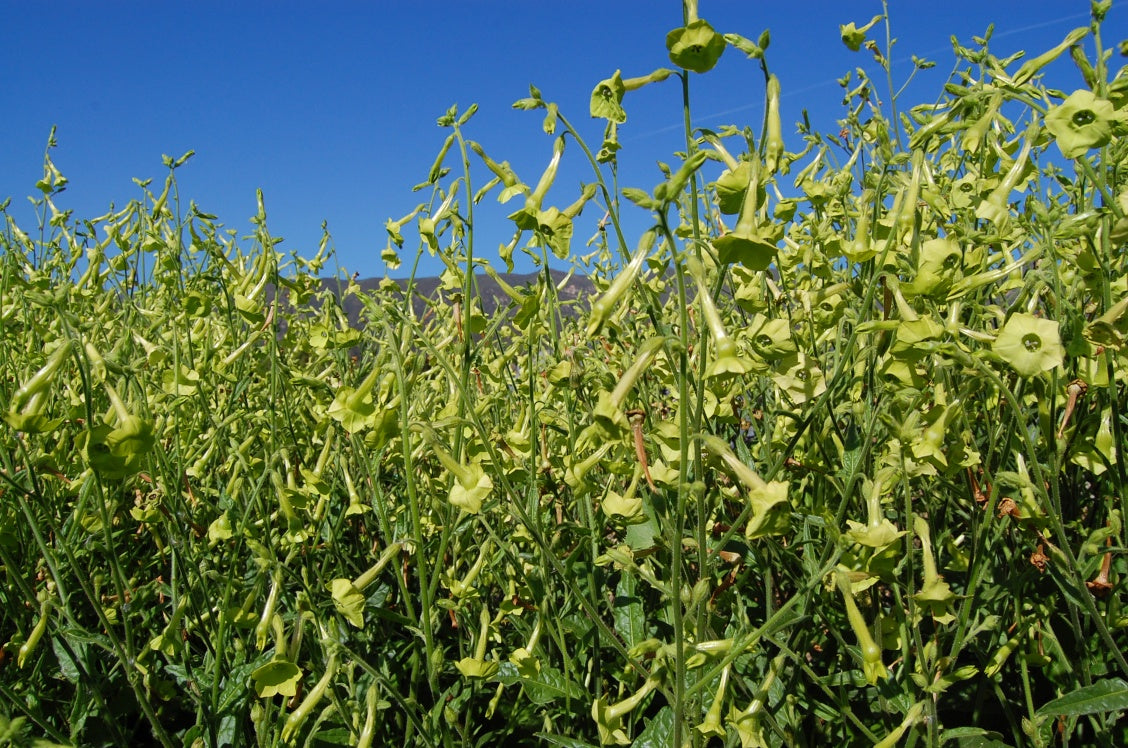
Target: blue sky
[330, 107]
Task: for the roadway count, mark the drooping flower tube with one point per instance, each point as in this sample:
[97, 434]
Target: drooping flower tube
[348, 597]
[728, 359]
[771, 512]
[25, 410]
[872, 665]
[1031, 67]
[745, 244]
[603, 308]
[609, 717]
[878, 532]
[471, 484]
[773, 137]
[711, 726]
[607, 96]
[477, 666]
[526, 218]
[934, 595]
[995, 208]
[504, 172]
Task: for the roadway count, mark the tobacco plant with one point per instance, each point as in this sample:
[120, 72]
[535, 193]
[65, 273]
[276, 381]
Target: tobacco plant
[833, 454]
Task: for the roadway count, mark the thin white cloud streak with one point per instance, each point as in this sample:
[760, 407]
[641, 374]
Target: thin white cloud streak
[834, 81]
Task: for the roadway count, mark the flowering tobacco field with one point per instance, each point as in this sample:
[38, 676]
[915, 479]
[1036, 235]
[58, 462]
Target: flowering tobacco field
[833, 455]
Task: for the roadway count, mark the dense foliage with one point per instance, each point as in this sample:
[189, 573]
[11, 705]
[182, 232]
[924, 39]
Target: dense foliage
[834, 456]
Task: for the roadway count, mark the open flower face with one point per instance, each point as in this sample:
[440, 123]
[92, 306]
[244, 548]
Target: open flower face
[1081, 122]
[1030, 345]
[607, 99]
[695, 47]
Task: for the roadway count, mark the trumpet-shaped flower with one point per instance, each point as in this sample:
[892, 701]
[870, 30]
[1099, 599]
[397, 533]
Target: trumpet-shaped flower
[937, 268]
[609, 717]
[731, 186]
[748, 244]
[1081, 122]
[935, 595]
[470, 488]
[771, 511]
[872, 665]
[695, 46]
[800, 378]
[1030, 345]
[607, 96]
[478, 666]
[627, 507]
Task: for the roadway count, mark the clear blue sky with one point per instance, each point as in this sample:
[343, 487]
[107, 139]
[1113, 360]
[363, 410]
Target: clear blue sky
[330, 107]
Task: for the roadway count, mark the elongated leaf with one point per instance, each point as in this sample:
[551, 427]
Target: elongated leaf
[1108, 695]
[550, 685]
[657, 732]
[563, 741]
[972, 737]
[630, 620]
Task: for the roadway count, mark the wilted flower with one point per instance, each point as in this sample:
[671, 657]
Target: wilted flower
[1081, 122]
[852, 36]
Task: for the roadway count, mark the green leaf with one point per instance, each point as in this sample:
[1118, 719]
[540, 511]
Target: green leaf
[972, 737]
[550, 685]
[68, 667]
[630, 619]
[657, 732]
[565, 742]
[1109, 695]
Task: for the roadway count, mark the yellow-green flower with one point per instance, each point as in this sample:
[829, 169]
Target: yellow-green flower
[607, 99]
[748, 244]
[1081, 122]
[695, 46]
[731, 186]
[1029, 344]
[872, 665]
[854, 37]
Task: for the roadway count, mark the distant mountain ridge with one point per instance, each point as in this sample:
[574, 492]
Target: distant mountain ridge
[491, 295]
